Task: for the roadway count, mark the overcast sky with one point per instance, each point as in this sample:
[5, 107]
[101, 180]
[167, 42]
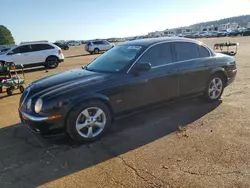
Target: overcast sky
[84, 19]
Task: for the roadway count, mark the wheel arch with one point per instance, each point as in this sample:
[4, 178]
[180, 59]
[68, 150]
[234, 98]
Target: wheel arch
[97, 49]
[222, 71]
[51, 56]
[96, 97]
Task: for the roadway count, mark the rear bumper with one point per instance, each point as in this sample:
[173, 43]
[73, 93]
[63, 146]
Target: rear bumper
[231, 76]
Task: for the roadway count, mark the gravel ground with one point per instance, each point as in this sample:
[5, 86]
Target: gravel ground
[189, 143]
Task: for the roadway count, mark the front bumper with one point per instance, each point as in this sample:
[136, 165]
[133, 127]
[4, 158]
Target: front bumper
[42, 124]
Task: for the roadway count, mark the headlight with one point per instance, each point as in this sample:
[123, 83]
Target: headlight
[29, 104]
[38, 105]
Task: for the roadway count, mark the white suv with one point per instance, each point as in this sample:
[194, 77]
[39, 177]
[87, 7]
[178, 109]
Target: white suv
[95, 47]
[34, 54]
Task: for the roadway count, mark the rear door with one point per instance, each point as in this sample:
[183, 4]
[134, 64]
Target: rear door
[193, 65]
[40, 52]
[101, 45]
[106, 45]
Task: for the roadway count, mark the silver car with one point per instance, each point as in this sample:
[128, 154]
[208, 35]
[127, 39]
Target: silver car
[95, 47]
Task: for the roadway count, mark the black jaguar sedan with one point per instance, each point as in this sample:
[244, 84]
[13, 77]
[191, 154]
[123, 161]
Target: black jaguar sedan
[133, 75]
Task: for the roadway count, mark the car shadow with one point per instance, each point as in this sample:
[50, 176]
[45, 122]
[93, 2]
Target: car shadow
[28, 70]
[29, 160]
[82, 55]
[5, 95]
[73, 56]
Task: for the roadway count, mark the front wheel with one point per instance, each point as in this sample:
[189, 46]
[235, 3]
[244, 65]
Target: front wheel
[88, 121]
[214, 88]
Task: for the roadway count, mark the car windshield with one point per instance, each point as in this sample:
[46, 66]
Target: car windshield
[7, 51]
[115, 60]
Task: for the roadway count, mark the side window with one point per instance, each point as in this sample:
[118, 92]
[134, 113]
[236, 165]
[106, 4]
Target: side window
[40, 47]
[158, 55]
[204, 52]
[21, 49]
[16, 50]
[186, 51]
[105, 42]
[96, 43]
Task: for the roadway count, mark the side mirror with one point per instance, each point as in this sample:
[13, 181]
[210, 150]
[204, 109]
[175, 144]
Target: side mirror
[143, 67]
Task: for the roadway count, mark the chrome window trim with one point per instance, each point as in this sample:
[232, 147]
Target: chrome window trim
[176, 62]
[194, 42]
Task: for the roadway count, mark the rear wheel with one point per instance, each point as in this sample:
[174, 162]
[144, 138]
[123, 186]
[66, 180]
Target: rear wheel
[214, 88]
[88, 121]
[9, 91]
[96, 51]
[52, 62]
[21, 89]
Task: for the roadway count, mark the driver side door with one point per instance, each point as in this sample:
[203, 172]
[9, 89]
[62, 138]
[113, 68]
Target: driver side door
[20, 55]
[155, 85]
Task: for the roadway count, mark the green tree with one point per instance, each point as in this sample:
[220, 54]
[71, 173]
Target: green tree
[5, 36]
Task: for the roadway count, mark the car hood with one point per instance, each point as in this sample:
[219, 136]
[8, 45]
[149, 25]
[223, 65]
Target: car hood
[65, 82]
[2, 55]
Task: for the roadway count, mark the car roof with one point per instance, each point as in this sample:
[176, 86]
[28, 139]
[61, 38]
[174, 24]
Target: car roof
[30, 43]
[150, 41]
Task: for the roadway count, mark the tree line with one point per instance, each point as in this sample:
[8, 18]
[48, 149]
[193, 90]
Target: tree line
[6, 37]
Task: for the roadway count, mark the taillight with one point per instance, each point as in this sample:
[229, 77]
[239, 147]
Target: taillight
[59, 51]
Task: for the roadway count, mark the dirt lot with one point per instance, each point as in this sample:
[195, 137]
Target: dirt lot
[186, 144]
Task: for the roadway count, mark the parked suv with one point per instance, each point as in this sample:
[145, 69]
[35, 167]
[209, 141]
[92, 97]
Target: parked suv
[34, 54]
[95, 47]
[62, 45]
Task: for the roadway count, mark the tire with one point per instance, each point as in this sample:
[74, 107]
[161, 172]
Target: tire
[52, 62]
[215, 87]
[9, 91]
[21, 89]
[96, 51]
[78, 115]
[1, 89]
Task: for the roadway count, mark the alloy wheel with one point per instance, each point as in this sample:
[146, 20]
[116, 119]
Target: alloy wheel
[52, 62]
[215, 88]
[91, 122]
